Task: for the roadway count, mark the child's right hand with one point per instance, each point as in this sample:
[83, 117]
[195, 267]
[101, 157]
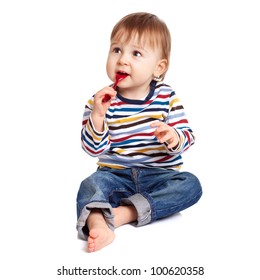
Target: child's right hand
[100, 107]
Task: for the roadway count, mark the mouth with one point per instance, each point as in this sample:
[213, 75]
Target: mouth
[122, 74]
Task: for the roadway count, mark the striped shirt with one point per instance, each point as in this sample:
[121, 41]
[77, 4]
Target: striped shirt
[128, 140]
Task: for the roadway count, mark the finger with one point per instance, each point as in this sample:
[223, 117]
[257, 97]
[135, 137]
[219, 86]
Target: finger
[106, 90]
[163, 129]
[172, 145]
[156, 124]
[157, 134]
[165, 138]
[110, 93]
[107, 96]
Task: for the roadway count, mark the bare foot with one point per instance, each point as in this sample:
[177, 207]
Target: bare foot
[124, 215]
[99, 238]
[100, 235]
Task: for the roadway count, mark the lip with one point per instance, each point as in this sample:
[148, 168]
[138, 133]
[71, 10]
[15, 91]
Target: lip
[122, 73]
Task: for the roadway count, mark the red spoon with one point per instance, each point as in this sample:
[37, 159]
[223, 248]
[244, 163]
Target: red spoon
[119, 77]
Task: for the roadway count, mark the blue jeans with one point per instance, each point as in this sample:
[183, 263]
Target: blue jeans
[154, 192]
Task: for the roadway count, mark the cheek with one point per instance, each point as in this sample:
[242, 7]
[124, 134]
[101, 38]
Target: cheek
[109, 68]
[146, 69]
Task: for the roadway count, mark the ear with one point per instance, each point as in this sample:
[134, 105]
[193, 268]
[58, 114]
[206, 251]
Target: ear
[161, 67]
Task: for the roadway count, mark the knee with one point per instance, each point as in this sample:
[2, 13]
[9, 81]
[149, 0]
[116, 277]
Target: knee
[87, 188]
[83, 188]
[194, 185]
[96, 186]
[86, 193]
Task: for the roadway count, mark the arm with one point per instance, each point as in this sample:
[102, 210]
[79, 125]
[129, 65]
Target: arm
[94, 133]
[175, 132]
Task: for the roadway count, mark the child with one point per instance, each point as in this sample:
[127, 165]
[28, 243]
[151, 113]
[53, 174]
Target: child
[138, 137]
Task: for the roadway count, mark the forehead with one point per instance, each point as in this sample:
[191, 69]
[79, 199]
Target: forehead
[144, 39]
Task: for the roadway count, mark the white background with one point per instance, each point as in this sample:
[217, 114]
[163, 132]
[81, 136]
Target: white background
[52, 59]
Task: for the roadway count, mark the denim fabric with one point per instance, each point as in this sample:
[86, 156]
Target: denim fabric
[154, 192]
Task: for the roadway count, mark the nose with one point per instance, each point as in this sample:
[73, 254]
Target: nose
[123, 60]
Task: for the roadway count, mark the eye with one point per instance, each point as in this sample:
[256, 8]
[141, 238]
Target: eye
[116, 50]
[137, 53]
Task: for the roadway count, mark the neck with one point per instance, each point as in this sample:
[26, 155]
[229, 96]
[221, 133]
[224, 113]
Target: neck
[135, 93]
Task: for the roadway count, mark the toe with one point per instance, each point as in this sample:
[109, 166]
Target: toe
[91, 247]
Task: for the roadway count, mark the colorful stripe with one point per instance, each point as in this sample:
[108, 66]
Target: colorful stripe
[128, 139]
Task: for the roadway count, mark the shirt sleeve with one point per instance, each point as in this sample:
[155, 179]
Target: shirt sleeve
[93, 142]
[177, 120]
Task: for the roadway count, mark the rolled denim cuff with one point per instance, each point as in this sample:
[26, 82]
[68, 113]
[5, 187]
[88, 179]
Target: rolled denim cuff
[142, 207]
[107, 213]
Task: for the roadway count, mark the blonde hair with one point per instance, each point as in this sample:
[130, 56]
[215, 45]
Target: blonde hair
[149, 29]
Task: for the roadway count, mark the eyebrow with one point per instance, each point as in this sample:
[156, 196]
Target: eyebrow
[135, 46]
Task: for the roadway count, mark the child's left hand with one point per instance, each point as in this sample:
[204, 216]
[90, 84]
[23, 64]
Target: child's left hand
[165, 133]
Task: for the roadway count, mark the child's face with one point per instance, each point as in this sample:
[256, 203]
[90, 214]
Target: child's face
[141, 62]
